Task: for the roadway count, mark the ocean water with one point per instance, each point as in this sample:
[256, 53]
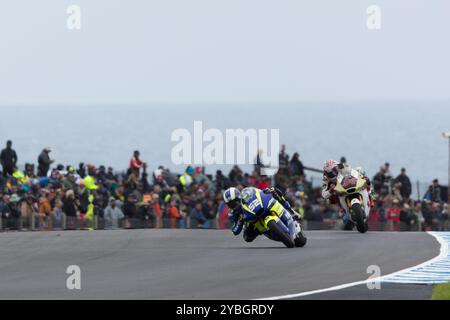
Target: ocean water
[404, 134]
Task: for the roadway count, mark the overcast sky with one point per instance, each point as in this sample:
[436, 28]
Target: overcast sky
[203, 51]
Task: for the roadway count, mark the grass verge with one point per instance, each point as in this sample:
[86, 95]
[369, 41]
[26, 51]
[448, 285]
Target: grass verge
[441, 292]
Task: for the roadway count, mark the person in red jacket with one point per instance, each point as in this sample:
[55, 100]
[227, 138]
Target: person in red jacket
[263, 184]
[174, 214]
[393, 216]
[136, 163]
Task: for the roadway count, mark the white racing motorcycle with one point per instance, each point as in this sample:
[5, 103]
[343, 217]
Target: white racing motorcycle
[354, 198]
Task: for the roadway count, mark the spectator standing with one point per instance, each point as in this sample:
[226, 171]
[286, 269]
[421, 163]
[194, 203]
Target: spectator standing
[45, 211]
[183, 208]
[394, 194]
[375, 217]
[129, 210]
[406, 216]
[81, 170]
[393, 216]
[174, 214]
[110, 176]
[283, 161]
[281, 181]
[186, 179]
[236, 175]
[113, 214]
[417, 215]
[29, 169]
[252, 180]
[197, 216]
[405, 184]
[136, 163]
[70, 209]
[89, 179]
[301, 185]
[209, 213]
[263, 183]
[258, 163]
[222, 182]
[388, 174]
[145, 214]
[222, 215]
[434, 192]
[44, 162]
[57, 212]
[10, 212]
[70, 180]
[28, 210]
[437, 216]
[427, 215]
[8, 159]
[380, 179]
[296, 166]
[156, 205]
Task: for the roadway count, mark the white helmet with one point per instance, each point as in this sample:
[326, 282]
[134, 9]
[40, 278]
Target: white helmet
[231, 196]
[330, 168]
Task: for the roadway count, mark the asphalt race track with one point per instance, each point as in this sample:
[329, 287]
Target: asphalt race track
[204, 264]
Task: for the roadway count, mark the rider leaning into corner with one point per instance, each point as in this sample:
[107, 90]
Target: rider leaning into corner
[331, 169]
[237, 214]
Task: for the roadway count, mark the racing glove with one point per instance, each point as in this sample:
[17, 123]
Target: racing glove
[237, 227]
[326, 194]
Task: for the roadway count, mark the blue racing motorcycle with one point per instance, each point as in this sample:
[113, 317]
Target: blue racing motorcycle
[269, 217]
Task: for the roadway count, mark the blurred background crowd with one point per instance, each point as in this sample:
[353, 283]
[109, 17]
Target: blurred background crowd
[49, 196]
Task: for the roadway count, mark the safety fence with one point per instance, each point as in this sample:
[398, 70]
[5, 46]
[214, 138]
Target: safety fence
[379, 226]
[38, 222]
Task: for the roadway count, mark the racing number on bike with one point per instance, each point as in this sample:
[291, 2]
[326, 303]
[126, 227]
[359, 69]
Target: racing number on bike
[254, 204]
[349, 182]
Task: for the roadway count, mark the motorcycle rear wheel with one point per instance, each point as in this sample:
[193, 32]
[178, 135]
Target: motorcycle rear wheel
[280, 234]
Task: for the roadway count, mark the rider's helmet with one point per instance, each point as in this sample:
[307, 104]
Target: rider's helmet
[330, 168]
[231, 196]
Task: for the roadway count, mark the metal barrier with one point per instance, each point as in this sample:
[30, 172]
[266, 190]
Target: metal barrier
[37, 222]
[373, 226]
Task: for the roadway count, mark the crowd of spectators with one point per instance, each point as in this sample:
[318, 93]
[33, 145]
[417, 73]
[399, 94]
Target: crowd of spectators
[88, 196]
[396, 207]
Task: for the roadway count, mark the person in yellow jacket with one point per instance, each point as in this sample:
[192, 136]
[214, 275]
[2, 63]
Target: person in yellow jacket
[186, 178]
[90, 213]
[89, 184]
[19, 176]
[89, 181]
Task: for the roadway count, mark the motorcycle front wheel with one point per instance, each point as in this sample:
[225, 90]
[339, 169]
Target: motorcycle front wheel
[280, 234]
[358, 213]
[300, 240]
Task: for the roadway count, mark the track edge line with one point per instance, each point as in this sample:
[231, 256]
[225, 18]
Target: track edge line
[443, 252]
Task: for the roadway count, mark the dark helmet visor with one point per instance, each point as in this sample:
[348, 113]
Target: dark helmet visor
[233, 204]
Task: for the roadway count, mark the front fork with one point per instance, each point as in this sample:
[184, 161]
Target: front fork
[288, 222]
[350, 200]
